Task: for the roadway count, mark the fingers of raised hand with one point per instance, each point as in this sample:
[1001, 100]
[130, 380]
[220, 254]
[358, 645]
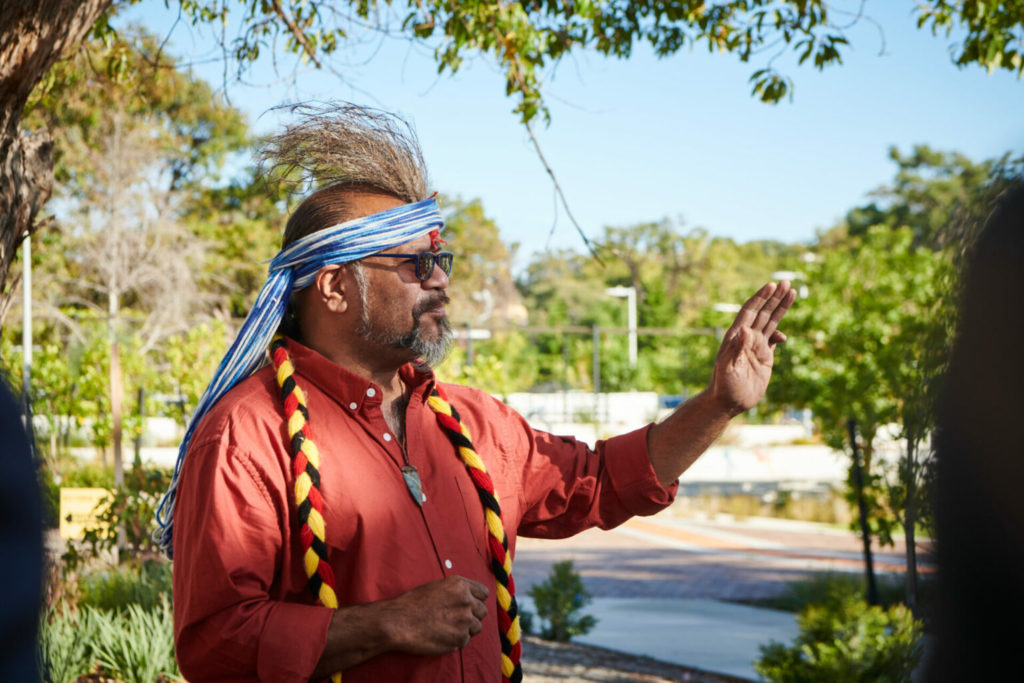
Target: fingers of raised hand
[752, 307]
[783, 298]
[770, 306]
[763, 311]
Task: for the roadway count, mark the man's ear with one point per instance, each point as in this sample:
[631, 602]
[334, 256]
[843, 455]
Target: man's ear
[333, 288]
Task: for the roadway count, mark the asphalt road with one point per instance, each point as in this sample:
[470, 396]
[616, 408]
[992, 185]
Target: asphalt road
[670, 557]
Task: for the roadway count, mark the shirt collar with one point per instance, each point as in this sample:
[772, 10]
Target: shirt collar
[346, 387]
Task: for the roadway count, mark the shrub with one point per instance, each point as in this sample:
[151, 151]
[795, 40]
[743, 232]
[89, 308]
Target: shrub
[128, 515]
[558, 599]
[116, 589]
[844, 640]
[820, 588]
[526, 621]
[75, 474]
[131, 509]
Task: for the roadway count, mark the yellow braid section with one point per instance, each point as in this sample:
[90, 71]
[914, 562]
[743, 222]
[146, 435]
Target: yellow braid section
[306, 468]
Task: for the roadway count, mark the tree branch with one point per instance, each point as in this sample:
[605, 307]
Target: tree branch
[297, 32]
[561, 195]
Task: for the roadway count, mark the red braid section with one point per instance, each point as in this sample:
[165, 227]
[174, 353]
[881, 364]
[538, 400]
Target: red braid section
[501, 559]
[306, 469]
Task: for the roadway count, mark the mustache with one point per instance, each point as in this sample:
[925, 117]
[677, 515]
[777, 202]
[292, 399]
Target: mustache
[430, 304]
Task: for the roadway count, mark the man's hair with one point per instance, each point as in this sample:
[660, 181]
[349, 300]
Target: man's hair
[341, 150]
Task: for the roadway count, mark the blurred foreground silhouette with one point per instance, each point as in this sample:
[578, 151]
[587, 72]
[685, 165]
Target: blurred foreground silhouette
[980, 513]
[21, 546]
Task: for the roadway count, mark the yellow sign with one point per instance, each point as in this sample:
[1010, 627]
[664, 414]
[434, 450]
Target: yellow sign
[79, 510]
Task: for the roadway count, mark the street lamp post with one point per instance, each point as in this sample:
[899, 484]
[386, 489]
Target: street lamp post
[628, 293]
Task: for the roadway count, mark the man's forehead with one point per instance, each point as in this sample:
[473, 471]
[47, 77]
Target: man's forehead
[421, 243]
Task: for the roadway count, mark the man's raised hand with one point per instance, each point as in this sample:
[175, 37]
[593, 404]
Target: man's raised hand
[743, 365]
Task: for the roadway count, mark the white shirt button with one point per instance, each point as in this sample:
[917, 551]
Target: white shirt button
[371, 392]
[448, 564]
[353, 405]
[423, 497]
[387, 437]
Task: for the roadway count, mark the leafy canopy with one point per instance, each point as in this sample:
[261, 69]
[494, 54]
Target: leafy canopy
[528, 38]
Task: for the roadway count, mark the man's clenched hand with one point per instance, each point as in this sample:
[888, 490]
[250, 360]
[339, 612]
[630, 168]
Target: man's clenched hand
[438, 617]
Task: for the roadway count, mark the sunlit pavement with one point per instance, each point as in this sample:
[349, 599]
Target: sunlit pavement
[665, 587]
[663, 556]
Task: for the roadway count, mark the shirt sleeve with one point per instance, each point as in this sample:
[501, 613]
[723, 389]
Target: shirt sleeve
[229, 527]
[568, 487]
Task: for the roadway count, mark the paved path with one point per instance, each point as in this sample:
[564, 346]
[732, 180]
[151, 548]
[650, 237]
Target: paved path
[713, 636]
[667, 557]
[664, 586]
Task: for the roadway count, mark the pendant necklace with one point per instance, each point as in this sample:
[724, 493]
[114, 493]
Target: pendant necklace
[412, 478]
[409, 472]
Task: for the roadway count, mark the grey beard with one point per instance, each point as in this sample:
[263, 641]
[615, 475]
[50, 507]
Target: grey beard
[432, 352]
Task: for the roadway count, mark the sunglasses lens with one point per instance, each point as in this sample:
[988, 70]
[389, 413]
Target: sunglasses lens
[444, 261]
[424, 265]
[426, 260]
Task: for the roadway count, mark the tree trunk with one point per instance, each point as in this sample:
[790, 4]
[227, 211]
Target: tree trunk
[116, 411]
[865, 530]
[909, 520]
[116, 381]
[34, 34]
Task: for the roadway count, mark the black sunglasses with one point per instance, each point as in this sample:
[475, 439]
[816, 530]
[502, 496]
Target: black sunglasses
[426, 260]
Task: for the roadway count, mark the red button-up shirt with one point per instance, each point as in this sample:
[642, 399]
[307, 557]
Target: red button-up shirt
[242, 608]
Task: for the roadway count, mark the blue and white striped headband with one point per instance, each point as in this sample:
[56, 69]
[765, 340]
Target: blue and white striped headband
[295, 268]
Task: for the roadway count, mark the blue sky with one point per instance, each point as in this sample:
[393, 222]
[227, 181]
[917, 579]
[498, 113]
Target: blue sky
[645, 139]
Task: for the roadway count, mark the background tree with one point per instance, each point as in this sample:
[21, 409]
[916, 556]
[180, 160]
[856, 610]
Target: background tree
[127, 252]
[132, 150]
[33, 36]
[867, 344]
[483, 267]
[241, 225]
[523, 38]
[937, 194]
[942, 198]
[679, 277]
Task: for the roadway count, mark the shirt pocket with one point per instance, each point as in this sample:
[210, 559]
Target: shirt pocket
[473, 514]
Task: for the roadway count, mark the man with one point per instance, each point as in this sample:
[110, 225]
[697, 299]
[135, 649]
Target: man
[344, 511]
